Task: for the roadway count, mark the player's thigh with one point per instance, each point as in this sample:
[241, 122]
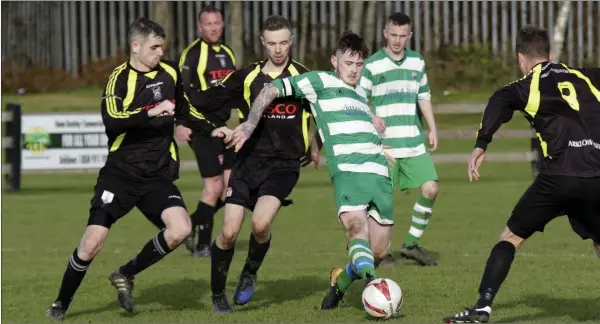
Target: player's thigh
[233, 218]
[281, 176]
[161, 198]
[583, 210]
[238, 191]
[381, 209]
[351, 192]
[209, 156]
[112, 199]
[413, 172]
[228, 157]
[264, 213]
[541, 203]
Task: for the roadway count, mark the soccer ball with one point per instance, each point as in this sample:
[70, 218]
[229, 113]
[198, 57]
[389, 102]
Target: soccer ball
[382, 298]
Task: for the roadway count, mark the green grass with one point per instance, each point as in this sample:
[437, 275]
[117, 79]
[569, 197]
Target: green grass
[554, 277]
[445, 146]
[88, 99]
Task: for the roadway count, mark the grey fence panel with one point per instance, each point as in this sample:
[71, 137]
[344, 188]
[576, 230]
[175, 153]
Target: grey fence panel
[70, 35]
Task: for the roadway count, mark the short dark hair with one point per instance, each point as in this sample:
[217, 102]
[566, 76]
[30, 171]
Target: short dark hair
[533, 42]
[276, 22]
[209, 9]
[352, 42]
[145, 27]
[399, 19]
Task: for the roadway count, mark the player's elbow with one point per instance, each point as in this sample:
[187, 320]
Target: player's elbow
[113, 126]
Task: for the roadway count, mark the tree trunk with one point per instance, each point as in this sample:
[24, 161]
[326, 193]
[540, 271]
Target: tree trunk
[305, 14]
[559, 30]
[161, 13]
[235, 23]
[356, 7]
[371, 15]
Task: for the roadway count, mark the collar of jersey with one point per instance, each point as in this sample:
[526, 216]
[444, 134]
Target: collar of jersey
[264, 62]
[392, 59]
[142, 72]
[216, 47]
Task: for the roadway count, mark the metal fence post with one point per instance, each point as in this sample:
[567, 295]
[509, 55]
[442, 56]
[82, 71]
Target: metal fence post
[11, 143]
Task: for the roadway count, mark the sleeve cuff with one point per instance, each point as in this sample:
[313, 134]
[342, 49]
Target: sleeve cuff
[280, 87]
[482, 143]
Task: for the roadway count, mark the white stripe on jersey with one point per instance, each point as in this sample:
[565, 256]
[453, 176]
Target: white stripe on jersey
[395, 86]
[360, 148]
[368, 167]
[351, 127]
[396, 109]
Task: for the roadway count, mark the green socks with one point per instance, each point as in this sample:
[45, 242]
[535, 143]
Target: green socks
[420, 218]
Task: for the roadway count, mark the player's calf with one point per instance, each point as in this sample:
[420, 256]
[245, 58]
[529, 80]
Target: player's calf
[421, 216]
[91, 244]
[260, 240]
[359, 248]
[597, 248]
[177, 228]
[203, 217]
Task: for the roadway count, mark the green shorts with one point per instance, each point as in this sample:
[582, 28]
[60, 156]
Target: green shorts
[365, 191]
[413, 172]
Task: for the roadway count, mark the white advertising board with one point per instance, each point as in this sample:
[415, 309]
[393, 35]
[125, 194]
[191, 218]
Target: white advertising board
[63, 141]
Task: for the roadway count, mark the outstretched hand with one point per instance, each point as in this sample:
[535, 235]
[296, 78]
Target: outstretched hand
[390, 159]
[239, 136]
[223, 132]
[474, 163]
[379, 124]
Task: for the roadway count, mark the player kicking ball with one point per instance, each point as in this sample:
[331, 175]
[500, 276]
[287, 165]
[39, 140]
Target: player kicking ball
[356, 160]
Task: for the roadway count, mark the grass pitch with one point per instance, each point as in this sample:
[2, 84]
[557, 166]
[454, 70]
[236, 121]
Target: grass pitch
[554, 277]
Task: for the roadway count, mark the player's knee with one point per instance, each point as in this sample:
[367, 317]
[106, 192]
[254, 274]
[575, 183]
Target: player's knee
[356, 227]
[379, 254]
[229, 235]
[90, 247]
[213, 188]
[260, 228]
[430, 189]
[177, 231]
[514, 239]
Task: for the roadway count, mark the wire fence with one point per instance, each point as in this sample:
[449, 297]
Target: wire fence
[70, 34]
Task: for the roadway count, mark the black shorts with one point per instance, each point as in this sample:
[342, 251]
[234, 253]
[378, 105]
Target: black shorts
[253, 177]
[114, 198]
[212, 155]
[551, 196]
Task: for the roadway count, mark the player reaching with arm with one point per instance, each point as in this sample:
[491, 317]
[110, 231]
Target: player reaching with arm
[141, 100]
[563, 105]
[204, 63]
[396, 82]
[266, 168]
[355, 156]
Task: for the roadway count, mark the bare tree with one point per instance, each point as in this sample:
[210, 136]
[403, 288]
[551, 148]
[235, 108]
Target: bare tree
[370, 23]
[305, 14]
[235, 25]
[560, 29]
[356, 18]
[161, 13]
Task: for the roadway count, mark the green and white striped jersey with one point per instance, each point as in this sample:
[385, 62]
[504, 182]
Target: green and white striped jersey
[394, 88]
[343, 119]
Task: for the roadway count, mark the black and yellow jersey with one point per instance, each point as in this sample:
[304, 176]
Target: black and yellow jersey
[283, 132]
[142, 148]
[202, 65]
[563, 105]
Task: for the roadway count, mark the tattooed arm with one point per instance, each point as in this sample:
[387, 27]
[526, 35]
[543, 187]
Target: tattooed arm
[245, 129]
